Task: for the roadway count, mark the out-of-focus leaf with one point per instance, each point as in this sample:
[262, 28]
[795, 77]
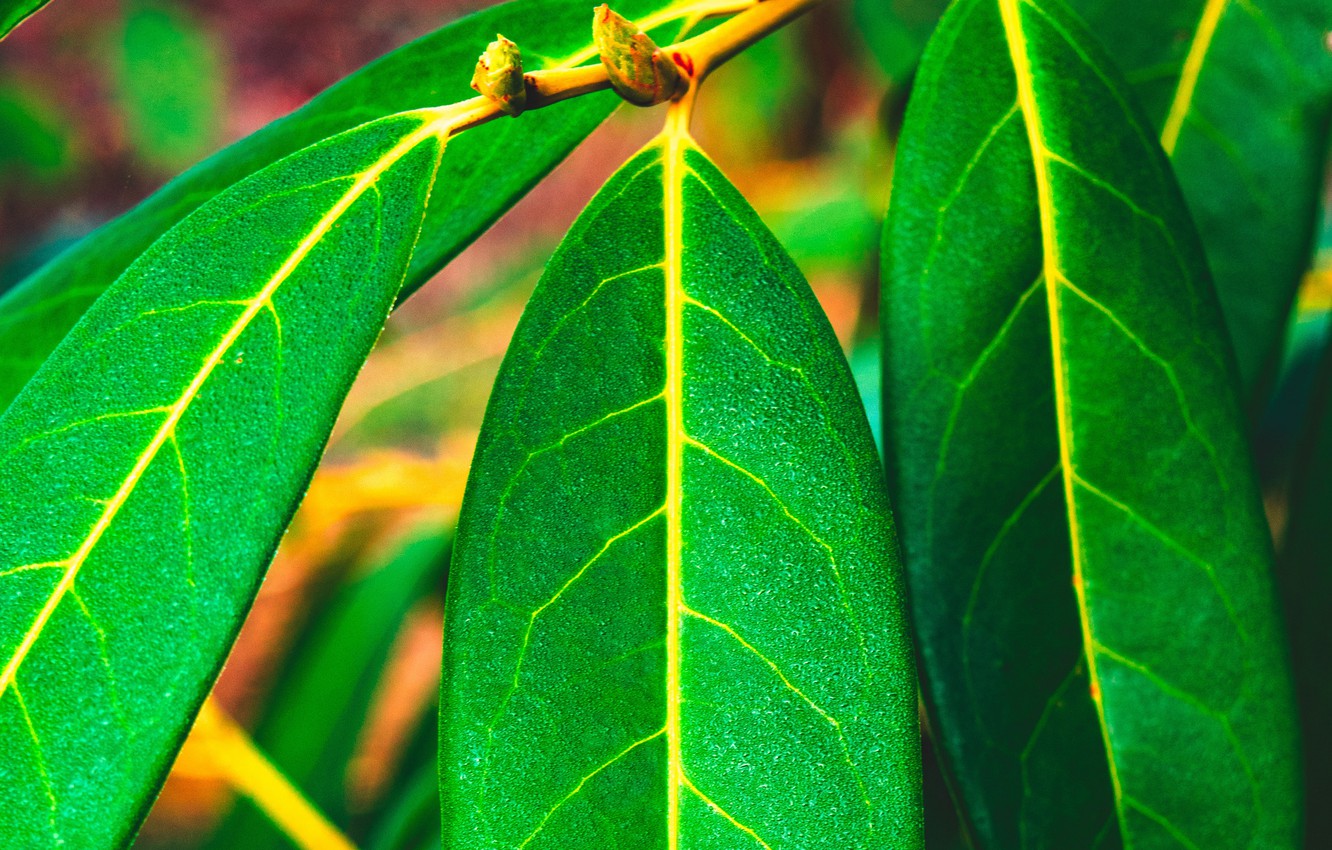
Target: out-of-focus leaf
[1242, 93]
[896, 31]
[149, 468]
[169, 80]
[675, 611]
[32, 139]
[1089, 558]
[14, 12]
[1306, 583]
[488, 167]
[412, 821]
[312, 724]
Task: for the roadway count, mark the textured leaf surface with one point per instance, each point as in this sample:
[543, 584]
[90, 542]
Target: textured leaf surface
[488, 167]
[675, 615]
[14, 12]
[150, 467]
[1088, 555]
[1243, 105]
[316, 714]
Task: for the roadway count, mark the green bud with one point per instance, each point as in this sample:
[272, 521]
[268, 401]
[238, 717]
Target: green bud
[639, 71]
[499, 76]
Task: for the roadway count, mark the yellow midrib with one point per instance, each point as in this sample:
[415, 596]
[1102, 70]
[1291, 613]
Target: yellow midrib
[1188, 78]
[673, 168]
[436, 123]
[1052, 273]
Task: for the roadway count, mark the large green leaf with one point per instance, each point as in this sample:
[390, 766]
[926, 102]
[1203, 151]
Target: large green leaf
[674, 610]
[488, 168]
[1088, 556]
[1243, 104]
[313, 723]
[149, 468]
[14, 12]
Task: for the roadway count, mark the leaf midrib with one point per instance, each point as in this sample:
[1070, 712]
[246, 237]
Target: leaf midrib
[673, 168]
[436, 123]
[1053, 275]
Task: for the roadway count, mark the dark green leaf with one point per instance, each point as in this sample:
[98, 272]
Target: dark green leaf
[1089, 559]
[488, 168]
[674, 615]
[14, 12]
[149, 468]
[1242, 92]
[896, 31]
[1306, 586]
[315, 717]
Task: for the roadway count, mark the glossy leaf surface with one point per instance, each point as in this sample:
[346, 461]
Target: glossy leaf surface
[675, 611]
[319, 707]
[488, 167]
[1243, 105]
[1088, 555]
[150, 467]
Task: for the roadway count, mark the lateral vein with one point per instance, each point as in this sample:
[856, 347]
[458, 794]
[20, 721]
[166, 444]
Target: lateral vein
[436, 123]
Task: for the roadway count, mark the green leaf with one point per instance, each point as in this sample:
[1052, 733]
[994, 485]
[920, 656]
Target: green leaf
[169, 82]
[674, 609]
[151, 465]
[896, 31]
[412, 821]
[1243, 103]
[488, 167]
[1089, 560]
[15, 12]
[314, 719]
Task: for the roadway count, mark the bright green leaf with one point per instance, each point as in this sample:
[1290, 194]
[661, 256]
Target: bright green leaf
[315, 716]
[1243, 102]
[488, 167]
[1088, 554]
[674, 609]
[151, 465]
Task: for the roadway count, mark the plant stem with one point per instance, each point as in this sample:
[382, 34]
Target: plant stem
[697, 56]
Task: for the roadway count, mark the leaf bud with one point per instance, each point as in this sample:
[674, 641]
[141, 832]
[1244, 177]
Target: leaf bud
[639, 71]
[499, 76]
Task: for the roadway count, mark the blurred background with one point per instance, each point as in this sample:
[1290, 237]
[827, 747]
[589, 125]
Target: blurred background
[335, 673]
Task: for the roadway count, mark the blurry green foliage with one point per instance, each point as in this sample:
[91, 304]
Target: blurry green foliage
[896, 30]
[34, 141]
[324, 694]
[169, 79]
